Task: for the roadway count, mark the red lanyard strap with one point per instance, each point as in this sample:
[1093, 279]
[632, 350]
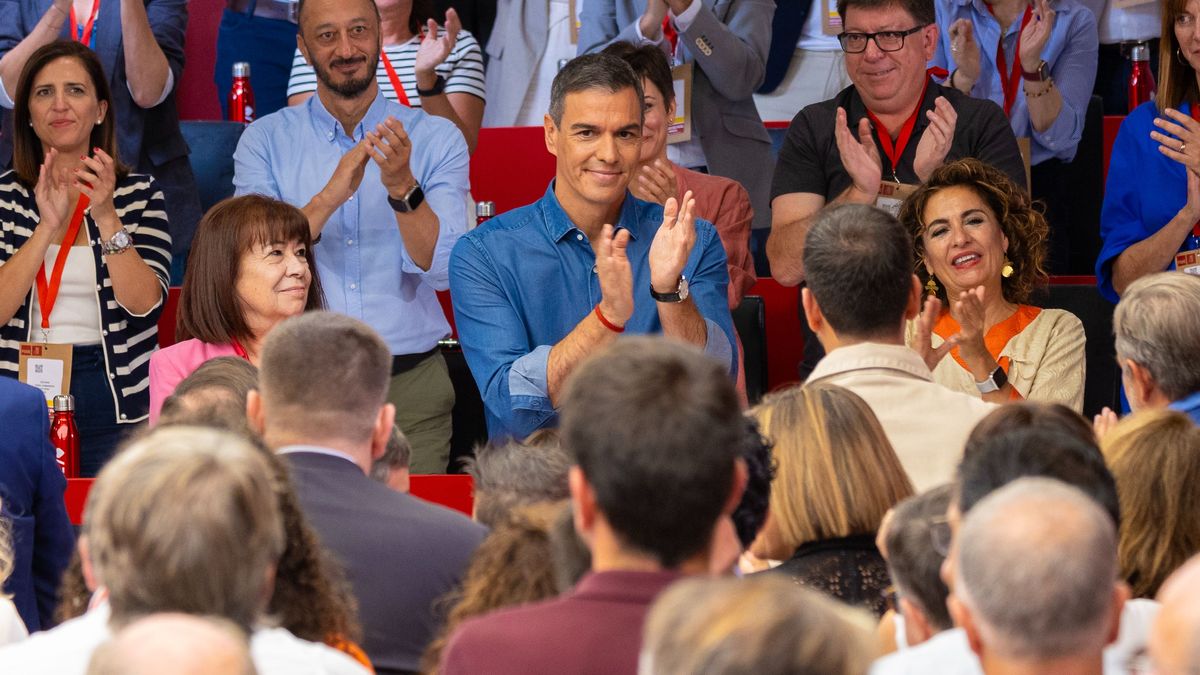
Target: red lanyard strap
[1010, 80]
[672, 36]
[240, 350]
[391, 73]
[894, 152]
[48, 292]
[86, 36]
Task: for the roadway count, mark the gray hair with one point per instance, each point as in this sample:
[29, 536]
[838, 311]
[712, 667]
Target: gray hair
[913, 561]
[175, 644]
[514, 474]
[1157, 326]
[1037, 563]
[592, 71]
[396, 456]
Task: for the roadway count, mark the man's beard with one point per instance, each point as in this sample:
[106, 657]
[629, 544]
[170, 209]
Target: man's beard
[350, 88]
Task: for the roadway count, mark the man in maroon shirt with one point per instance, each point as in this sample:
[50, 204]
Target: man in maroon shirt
[653, 427]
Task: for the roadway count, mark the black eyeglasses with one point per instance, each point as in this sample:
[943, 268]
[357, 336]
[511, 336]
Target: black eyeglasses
[887, 40]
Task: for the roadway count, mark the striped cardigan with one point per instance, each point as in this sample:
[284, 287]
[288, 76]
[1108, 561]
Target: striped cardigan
[128, 338]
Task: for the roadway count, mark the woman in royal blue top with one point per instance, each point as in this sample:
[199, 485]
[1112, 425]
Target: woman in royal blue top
[1152, 199]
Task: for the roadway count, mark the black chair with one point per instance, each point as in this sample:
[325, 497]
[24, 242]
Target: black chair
[750, 321]
[1072, 193]
[1102, 385]
[469, 423]
[212, 145]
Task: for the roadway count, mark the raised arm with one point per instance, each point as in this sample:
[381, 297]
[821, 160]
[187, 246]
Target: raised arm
[152, 36]
[17, 47]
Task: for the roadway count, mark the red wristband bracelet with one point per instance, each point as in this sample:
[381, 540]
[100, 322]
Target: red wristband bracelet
[608, 324]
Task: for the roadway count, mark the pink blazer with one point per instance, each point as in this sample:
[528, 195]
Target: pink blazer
[169, 366]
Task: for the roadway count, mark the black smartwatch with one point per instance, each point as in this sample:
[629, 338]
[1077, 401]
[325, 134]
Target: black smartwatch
[439, 85]
[410, 201]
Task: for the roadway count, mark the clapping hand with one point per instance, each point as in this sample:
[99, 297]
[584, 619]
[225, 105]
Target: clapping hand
[97, 179]
[391, 148]
[655, 182]
[1035, 35]
[930, 313]
[672, 245]
[859, 155]
[965, 51]
[936, 139]
[1178, 138]
[434, 50]
[615, 275]
[53, 197]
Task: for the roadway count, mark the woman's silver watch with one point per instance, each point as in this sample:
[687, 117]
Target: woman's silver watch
[994, 382]
[119, 243]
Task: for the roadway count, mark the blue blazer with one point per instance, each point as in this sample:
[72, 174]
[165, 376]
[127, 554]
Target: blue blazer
[31, 502]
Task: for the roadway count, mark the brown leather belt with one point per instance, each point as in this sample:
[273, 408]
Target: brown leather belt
[267, 9]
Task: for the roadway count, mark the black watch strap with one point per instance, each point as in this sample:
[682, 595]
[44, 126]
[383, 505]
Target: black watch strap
[409, 202]
[439, 86]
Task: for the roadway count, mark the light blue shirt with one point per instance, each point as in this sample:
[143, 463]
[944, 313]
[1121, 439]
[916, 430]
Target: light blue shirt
[525, 279]
[1071, 53]
[364, 267]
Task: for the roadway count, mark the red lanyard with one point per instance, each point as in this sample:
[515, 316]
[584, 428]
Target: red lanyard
[672, 36]
[87, 37]
[387, 65]
[240, 350]
[895, 152]
[48, 292]
[1009, 81]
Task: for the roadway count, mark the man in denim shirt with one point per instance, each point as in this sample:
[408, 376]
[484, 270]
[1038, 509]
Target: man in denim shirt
[540, 288]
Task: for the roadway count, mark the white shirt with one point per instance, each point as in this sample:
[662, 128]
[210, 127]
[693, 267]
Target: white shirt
[1140, 22]
[926, 423]
[76, 316]
[12, 628]
[67, 649]
[812, 35]
[948, 653]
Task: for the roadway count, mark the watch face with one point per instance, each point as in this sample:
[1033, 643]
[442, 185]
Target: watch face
[122, 239]
[683, 289]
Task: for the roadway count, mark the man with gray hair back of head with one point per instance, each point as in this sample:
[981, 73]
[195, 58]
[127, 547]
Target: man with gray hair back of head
[400, 554]
[1173, 647]
[1157, 329]
[175, 644]
[1036, 580]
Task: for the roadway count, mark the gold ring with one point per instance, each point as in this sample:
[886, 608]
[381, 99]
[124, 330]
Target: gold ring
[1182, 147]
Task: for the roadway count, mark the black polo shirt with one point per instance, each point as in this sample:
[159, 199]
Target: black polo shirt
[809, 160]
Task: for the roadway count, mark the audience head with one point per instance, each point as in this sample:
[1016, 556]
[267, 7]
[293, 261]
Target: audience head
[251, 266]
[901, 60]
[175, 644]
[915, 541]
[751, 512]
[319, 38]
[1157, 328]
[1178, 64]
[1173, 648]
[43, 81]
[514, 474]
[391, 468]
[765, 625]
[349, 411]
[858, 263]
[1050, 417]
[184, 519]
[969, 207]
[654, 429]
[1036, 578]
[572, 559]
[836, 473]
[650, 64]
[514, 565]
[214, 395]
[1155, 458]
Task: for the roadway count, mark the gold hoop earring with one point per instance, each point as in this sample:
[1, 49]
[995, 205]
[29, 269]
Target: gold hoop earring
[931, 287]
[1007, 270]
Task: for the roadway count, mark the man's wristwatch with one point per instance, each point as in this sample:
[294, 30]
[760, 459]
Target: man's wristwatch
[410, 201]
[680, 294]
[994, 382]
[1040, 75]
[120, 242]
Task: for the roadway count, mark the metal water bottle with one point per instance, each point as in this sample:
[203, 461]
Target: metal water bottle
[241, 95]
[65, 435]
[484, 212]
[1141, 79]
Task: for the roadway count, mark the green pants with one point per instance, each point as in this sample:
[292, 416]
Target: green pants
[424, 399]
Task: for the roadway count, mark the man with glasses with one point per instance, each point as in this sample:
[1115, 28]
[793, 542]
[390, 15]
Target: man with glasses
[890, 129]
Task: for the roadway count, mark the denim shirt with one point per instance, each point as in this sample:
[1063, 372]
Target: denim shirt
[365, 269]
[1189, 404]
[526, 278]
[1071, 53]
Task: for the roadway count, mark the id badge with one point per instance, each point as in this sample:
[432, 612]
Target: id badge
[47, 367]
[1188, 262]
[679, 129]
[892, 195]
[831, 21]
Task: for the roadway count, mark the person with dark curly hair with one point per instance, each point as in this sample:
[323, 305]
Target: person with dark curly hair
[980, 251]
